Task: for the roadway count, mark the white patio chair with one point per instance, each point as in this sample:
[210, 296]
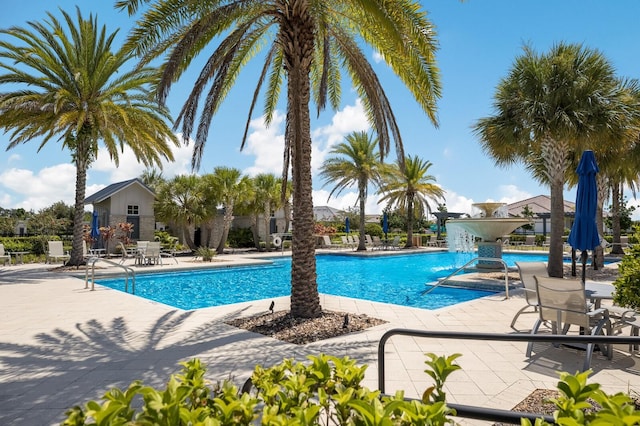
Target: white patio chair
[4, 258]
[56, 252]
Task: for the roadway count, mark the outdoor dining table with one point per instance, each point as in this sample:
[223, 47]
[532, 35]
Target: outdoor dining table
[598, 291]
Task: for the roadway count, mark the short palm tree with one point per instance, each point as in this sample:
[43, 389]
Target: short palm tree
[267, 192]
[68, 84]
[230, 186]
[355, 161]
[180, 201]
[307, 43]
[411, 187]
[547, 107]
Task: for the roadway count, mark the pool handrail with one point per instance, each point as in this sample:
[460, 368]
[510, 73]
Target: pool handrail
[484, 259]
[128, 271]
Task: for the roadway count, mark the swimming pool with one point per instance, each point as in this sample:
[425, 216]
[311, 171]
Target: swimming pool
[397, 279]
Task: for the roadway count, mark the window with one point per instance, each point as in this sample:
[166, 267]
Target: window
[132, 210]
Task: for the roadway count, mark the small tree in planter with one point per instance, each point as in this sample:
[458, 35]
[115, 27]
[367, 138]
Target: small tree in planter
[107, 233]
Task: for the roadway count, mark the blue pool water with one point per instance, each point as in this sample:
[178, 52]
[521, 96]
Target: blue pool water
[397, 279]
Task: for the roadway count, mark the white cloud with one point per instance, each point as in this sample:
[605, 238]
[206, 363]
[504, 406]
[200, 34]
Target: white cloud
[347, 200]
[511, 194]
[41, 189]
[377, 57]
[266, 143]
[14, 158]
[457, 203]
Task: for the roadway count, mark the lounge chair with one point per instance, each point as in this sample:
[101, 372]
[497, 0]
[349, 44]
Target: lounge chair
[377, 243]
[56, 252]
[563, 303]
[527, 270]
[368, 241]
[530, 241]
[4, 258]
[170, 252]
[346, 242]
[326, 243]
[395, 244]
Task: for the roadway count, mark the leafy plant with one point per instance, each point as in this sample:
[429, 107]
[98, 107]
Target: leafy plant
[206, 253]
[627, 284]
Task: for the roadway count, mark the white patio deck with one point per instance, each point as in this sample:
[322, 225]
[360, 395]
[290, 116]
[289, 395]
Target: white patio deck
[61, 345]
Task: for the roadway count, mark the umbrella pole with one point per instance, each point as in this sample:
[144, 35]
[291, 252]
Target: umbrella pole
[573, 262]
[584, 265]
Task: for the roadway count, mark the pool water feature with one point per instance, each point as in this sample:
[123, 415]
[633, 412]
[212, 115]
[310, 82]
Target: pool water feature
[397, 279]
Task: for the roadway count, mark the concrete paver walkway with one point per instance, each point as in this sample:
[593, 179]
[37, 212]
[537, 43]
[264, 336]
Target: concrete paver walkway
[61, 345]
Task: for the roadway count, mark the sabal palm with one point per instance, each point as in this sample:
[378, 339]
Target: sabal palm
[67, 84]
[409, 188]
[307, 43]
[180, 201]
[356, 162]
[230, 187]
[268, 190]
[548, 106]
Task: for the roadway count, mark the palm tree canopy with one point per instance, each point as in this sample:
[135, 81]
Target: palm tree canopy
[414, 184]
[354, 161]
[398, 30]
[73, 86]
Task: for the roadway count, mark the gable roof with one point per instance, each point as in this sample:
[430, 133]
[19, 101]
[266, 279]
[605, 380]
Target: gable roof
[539, 204]
[114, 188]
[326, 213]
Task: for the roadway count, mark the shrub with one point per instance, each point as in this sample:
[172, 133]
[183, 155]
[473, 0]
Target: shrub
[206, 253]
[627, 284]
[240, 238]
[373, 229]
[324, 391]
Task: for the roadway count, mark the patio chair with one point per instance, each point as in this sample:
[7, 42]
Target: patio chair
[527, 271]
[562, 304]
[56, 252]
[326, 243]
[152, 253]
[368, 241]
[4, 258]
[126, 254]
[170, 252]
[346, 242]
[530, 241]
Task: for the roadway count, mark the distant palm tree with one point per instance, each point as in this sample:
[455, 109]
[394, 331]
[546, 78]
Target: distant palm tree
[230, 185]
[307, 43]
[548, 107]
[181, 201]
[68, 84]
[267, 191]
[411, 187]
[152, 177]
[356, 162]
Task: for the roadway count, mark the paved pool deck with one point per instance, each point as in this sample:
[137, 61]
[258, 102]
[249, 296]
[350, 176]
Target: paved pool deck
[62, 344]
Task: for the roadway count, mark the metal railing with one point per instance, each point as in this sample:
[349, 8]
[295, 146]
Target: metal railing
[484, 259]
[129, 273]
[483, 413]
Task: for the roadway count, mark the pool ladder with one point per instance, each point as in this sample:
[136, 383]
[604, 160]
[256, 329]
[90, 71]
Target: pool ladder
[127, 270]
[491, 259]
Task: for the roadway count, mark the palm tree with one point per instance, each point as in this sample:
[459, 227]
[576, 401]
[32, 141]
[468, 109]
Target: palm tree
[411, 187]
[68, 84]
[547, 107]
[180, 201]
[357, 162]
[307, 43]
[152, 177]
[268, 190]
[230, 186]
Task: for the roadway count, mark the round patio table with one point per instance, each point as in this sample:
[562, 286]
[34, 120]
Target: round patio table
[20, 256]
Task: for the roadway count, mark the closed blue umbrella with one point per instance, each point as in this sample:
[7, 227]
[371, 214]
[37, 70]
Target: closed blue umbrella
[95, 230]
[584, 232]
[347, 227]
[385, 225]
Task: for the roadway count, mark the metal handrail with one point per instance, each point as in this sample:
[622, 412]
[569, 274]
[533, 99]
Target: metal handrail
[93, 260]
[492, 259]
[483, 413]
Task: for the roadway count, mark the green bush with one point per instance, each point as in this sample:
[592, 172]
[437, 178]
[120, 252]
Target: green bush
[206, 253]
[325, 391]
[240, 238]
[627, 284]
[373, 229]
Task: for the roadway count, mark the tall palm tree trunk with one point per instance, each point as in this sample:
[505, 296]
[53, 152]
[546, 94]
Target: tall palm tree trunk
[361, 230]
[409, 243]
[77, 252]
[554, 154]
[297, 39]
[616, 197]
[227, 219]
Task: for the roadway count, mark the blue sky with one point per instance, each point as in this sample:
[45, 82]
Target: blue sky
[479, 41]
